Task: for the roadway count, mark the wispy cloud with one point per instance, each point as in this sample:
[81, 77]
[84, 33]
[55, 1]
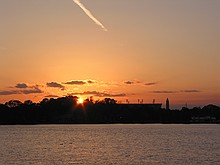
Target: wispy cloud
[30, 91]
[164, 92]
[52, 96]
[140, 83]
[191, 91]
[181, 91]
[150, 83]
[86, 93]
[100, 94]
[89, 14]
[112, 95]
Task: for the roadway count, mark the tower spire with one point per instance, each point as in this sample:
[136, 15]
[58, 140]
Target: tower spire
[167, 104]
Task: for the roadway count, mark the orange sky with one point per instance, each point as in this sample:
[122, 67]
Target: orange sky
[152, 50]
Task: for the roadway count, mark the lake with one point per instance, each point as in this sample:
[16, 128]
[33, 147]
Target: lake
[122, 144]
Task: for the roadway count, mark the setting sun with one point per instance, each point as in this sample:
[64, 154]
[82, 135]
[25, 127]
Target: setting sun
[80, 101]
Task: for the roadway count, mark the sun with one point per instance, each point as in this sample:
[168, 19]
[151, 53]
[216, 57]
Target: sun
[80, 101]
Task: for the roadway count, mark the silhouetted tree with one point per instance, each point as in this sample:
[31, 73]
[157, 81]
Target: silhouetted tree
[66, 110]
[28, 102]
[13, 103]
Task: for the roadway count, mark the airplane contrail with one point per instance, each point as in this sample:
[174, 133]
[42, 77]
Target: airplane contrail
[89, 14]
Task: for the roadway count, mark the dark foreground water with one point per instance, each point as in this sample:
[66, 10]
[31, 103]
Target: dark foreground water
[110, 144]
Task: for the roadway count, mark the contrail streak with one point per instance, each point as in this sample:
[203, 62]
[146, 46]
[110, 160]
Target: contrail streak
[89, 14]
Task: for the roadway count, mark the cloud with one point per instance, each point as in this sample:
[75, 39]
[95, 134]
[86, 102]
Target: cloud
[151, 83]
[112, 95]
[23, 90]
[190, 91]
[51, 96]
[138, 82]
[141, 83]
[181, 91]
[21, 85]
[129, 82]
[164, 92]
[90, 93]
[10, 92]
[75, 82]
[89, 14]
[31, 91]
[90, 82]
[100, 94]
[55, 85]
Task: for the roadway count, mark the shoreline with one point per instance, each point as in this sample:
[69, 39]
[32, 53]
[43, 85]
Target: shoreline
[113, 123]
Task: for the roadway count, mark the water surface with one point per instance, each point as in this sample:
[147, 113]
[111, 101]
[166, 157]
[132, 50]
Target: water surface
[110, 144]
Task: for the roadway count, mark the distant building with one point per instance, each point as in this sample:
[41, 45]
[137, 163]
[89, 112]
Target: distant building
[167, 104]
[138, 106]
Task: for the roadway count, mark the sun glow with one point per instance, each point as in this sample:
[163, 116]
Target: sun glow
[80, 100]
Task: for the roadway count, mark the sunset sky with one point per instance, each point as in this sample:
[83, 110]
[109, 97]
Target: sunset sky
[142, 49]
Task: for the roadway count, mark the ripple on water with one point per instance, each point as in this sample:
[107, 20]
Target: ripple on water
[110, 144]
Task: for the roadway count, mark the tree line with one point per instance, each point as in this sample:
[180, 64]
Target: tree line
[66, 110]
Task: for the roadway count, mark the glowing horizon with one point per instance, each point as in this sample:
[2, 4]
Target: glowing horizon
[153, 50]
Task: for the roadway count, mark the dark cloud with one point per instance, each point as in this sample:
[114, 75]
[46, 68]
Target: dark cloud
[51, 96]
[129, 82]
[34, 89]
[150, 83]
[112, 95]
[55, 85]
[164, 92]
[100, 94]
[11, 92]
[139, 82]
[31, 90]
[90, 82]
[21, 85]
[75, 82]
[183, 91]
[191, 91]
